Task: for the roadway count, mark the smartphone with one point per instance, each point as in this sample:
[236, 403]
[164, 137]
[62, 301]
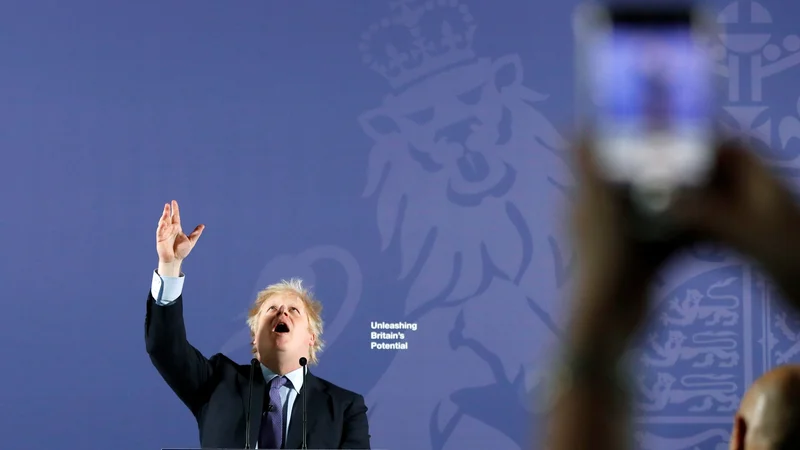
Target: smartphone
[646, 91]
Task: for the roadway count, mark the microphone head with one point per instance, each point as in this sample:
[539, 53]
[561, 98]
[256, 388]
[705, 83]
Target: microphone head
[303, 361]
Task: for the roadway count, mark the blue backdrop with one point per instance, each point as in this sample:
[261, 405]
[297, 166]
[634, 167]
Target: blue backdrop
[404, 157]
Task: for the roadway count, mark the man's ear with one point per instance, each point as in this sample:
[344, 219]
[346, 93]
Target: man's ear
[738, 433]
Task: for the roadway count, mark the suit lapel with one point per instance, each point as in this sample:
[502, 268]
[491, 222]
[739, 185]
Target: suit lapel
[315, 404]
[256, 405]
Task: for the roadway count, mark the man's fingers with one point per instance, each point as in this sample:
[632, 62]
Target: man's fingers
[176, 212]
[164, 213]
[163, 226]
[165, 230]
[195, 235]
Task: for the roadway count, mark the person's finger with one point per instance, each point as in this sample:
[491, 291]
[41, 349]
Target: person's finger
[164, 214]
[195, 235]
[176, 212]
[585, 161]
[595, 203]
[739, 183]
[165, 231]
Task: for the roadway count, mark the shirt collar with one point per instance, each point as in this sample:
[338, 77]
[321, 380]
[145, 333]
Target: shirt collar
[295, 376]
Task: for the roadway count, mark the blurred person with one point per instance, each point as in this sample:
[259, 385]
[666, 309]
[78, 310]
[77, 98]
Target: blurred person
[769, 415]
[285, 325]
[745, 208]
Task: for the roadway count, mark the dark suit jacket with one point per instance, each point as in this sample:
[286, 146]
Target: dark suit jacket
[216, 391]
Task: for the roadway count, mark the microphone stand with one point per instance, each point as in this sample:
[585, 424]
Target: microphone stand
[253, 365]
[303, 362]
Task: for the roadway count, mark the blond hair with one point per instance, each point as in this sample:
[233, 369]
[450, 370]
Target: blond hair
[313, 309]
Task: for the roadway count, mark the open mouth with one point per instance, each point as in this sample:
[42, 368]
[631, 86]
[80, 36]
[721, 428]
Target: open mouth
[281, 327]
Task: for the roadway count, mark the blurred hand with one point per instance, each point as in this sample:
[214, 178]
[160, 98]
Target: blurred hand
[745, 207]
[749, 209]
[172, 244]
[615, 269]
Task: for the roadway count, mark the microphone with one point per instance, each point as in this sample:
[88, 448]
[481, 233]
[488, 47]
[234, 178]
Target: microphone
[253, 365]
[303, 363]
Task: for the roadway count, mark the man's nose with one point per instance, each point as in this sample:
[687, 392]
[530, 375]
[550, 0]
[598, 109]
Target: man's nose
[282, 310]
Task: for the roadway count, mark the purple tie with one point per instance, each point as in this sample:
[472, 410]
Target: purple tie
[271, 436]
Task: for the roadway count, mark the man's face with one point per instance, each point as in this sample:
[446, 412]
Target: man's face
[282, 329]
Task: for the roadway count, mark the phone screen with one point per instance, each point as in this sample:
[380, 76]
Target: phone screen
[652, 92]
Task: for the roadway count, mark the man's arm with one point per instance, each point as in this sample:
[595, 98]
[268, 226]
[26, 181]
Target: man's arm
[181, 365]
[355, 433]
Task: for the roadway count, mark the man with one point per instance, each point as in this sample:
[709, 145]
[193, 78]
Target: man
[285, 325]
[745, 208]
[769, 415]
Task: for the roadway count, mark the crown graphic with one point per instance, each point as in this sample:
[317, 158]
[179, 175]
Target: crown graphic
[418, 39]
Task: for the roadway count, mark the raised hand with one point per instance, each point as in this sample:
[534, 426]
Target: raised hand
[750, 209]
[172, 244]
[615, 270]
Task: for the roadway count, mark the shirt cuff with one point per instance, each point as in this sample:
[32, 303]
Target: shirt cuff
[165, 290]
